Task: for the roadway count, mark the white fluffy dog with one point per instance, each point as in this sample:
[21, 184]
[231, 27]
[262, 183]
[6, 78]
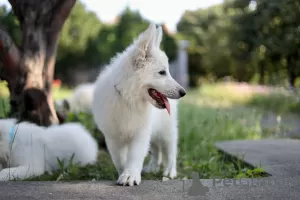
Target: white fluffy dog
[129, 99]
[80, 101]
[32, 150]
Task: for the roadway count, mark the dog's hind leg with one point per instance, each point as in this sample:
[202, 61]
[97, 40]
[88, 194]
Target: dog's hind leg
[169, 149]
[21, 172]
[155, 159]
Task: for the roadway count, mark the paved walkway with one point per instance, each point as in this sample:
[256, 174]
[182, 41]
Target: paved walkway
[278, 157]
[267, 188]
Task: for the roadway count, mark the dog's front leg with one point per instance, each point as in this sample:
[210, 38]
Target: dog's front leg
[137, 151]
[118, 153]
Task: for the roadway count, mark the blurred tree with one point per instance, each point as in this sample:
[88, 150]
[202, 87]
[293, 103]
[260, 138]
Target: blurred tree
[208, 31]
[244, 37]
[271, 31]
[169, 44]
[101, 49]
[81, 27]
[11, 24]
[97, 43]
[29, 69]
[131, 24]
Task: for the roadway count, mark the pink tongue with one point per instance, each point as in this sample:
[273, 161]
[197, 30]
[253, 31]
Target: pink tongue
[167, 104]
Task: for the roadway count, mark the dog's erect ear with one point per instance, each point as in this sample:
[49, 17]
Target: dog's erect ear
[147, 38]
[159, 35]
[144, 44]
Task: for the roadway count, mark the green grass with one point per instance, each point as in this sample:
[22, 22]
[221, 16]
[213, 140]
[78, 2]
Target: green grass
[3, 89]
[4, 107]
[206, 115]
[61, 93]
[4, 102]
[200, 127]
[278, 103]
[231, 94]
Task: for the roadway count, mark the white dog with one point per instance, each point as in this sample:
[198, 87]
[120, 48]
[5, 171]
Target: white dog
[32, 150]
[80, 101]
[122, 108]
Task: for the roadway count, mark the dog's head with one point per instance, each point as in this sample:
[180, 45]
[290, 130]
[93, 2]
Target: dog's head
[63, 105]
[151, 66]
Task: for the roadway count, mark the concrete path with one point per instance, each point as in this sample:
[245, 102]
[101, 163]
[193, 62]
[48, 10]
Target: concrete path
[278, 157]
[266, 188]
[281, 158]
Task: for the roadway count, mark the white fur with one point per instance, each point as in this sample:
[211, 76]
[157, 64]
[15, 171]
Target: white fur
[35, 149]
[81, 99]
[123, 112]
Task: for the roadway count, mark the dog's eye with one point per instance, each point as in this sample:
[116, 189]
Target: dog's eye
[162, 72]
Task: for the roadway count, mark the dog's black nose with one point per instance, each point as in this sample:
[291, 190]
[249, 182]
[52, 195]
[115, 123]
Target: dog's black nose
[182, 92]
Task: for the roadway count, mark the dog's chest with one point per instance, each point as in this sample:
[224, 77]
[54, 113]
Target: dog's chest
[132, 121]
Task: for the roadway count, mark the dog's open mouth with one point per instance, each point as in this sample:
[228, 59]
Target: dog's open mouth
[160, 99]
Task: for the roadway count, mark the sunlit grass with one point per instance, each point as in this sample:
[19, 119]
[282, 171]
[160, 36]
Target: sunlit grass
[3, 89]
[61, 93]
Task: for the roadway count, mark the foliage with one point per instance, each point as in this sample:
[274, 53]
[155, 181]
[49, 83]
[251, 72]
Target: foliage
[86, 42]
[248, 40]
[115, 38]
[80, 28]
[10, 23]
[242, 38]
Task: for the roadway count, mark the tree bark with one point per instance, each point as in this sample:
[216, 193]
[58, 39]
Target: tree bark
[29, 71]
[261, 72]
[10, 57]
[291, 67]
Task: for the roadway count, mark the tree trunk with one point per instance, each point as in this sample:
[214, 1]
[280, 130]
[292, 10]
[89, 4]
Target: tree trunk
[30, 72]
[291, 67]
[261, 72]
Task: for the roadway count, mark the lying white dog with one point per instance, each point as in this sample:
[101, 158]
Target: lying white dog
[129, 99]
[32, 150]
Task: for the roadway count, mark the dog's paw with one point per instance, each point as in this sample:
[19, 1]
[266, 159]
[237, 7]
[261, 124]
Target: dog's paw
[130, 178]
[170, 172]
